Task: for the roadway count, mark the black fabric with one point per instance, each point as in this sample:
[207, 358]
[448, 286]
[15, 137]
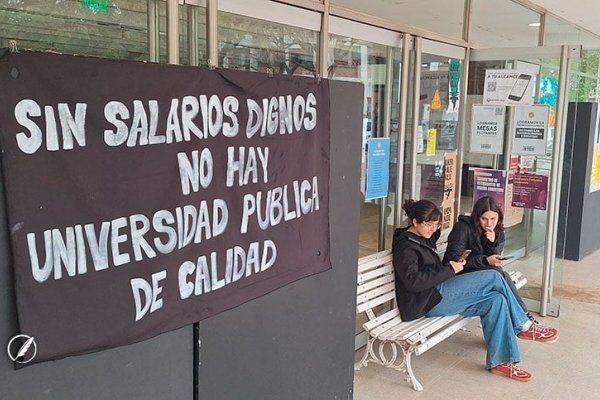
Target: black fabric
[418, 269]
[107, 167]
[463, 236]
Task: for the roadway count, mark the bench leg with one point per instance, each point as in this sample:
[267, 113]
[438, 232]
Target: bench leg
[405, 366]
[367, 356]
[411, 378]
[402, 363]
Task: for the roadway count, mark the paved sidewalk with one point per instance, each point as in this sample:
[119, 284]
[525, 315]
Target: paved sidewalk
[455, 369]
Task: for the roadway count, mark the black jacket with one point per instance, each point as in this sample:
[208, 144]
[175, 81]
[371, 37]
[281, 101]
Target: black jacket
[464, 236]
[418, 269]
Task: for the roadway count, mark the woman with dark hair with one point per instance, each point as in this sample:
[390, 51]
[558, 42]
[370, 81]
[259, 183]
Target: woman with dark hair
[427, 287]
[483, 234]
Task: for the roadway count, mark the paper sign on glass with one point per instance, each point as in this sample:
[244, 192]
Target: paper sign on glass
[487, 129]
[378, 168]
[529, 127]
[508, 87]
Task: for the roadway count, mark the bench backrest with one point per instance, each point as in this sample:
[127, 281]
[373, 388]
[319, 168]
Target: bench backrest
[375, 282]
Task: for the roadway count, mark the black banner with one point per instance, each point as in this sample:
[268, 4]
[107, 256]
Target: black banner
[145, 197]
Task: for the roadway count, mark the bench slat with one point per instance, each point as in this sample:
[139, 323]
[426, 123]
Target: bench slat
[376, 292]
[366, 264]
[442, 335]
[387, 269]
[391, 295]
[382, 319]
[374, 283]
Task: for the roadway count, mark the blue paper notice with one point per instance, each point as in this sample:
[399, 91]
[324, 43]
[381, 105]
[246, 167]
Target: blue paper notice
[378, 168]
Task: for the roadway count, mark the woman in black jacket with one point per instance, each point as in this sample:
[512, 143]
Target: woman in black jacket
[483, 234]
[427, 287]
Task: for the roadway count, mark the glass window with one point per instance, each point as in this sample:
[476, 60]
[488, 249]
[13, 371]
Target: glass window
[361, 61]
[192, 37]
[438, 123]
[256, 45]
[503, 23]
[585, 82]
[444, 17]
[108, 29]
[559, 32]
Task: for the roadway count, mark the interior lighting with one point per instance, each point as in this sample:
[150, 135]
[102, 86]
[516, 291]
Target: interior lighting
[534, 24]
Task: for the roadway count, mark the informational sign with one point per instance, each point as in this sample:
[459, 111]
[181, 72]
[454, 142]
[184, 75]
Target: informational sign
[449, 190]
[487, 129]
[378, 168]
[529, 127]
[530, 191]
[489, 182]
[503, 87]
[434, 87]
[526, 163]
[432, 181]
[512, 215]
[431, 141]
[420, 140]
[144, 197]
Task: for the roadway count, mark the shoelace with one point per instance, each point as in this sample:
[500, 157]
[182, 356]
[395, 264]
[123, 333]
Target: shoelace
[515, 370]
[540, 328]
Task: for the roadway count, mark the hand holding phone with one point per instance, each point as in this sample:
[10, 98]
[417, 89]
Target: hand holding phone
[464, 255]
[507, 258]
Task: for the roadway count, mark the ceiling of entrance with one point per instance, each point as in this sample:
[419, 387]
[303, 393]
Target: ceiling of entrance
[585, 13]
[493, 23]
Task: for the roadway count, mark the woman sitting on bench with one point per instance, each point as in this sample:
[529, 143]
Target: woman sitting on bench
[426, 287]
[483, 234]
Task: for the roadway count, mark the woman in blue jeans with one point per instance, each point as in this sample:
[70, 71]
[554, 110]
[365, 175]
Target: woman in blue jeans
[482, 232]
[426, 287]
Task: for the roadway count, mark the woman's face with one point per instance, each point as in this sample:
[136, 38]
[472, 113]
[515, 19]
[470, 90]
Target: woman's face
[427, 228]
[488, 220]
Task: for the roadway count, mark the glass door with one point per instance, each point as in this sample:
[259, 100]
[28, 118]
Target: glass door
[372, 56]
[530, 156]
[431, 163]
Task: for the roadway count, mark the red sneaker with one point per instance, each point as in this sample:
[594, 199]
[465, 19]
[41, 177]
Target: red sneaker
[539, 333]
[511, 371]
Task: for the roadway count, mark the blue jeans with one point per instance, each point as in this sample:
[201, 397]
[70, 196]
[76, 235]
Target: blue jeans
[487, 295]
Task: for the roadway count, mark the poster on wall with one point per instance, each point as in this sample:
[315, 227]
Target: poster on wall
[595, 174]
[505, 87]
[449, 190]
[431, 141]
[434, 87]
[487, 129]
[530, 191]
[491, 183]
[431, 181]
[137, 208]
[378, 168]
[513, 215]
[529, 127]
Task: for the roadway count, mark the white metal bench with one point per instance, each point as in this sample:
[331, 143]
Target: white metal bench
[375, 296]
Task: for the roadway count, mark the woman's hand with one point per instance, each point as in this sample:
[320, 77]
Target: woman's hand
[494, 260]
[458, 266]
[490, 235]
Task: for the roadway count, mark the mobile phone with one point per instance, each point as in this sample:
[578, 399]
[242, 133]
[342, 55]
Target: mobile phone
[518, 89]
[464, 255]
[507, 258]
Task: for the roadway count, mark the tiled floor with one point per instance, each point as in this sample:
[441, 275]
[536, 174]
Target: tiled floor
[455, 369]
